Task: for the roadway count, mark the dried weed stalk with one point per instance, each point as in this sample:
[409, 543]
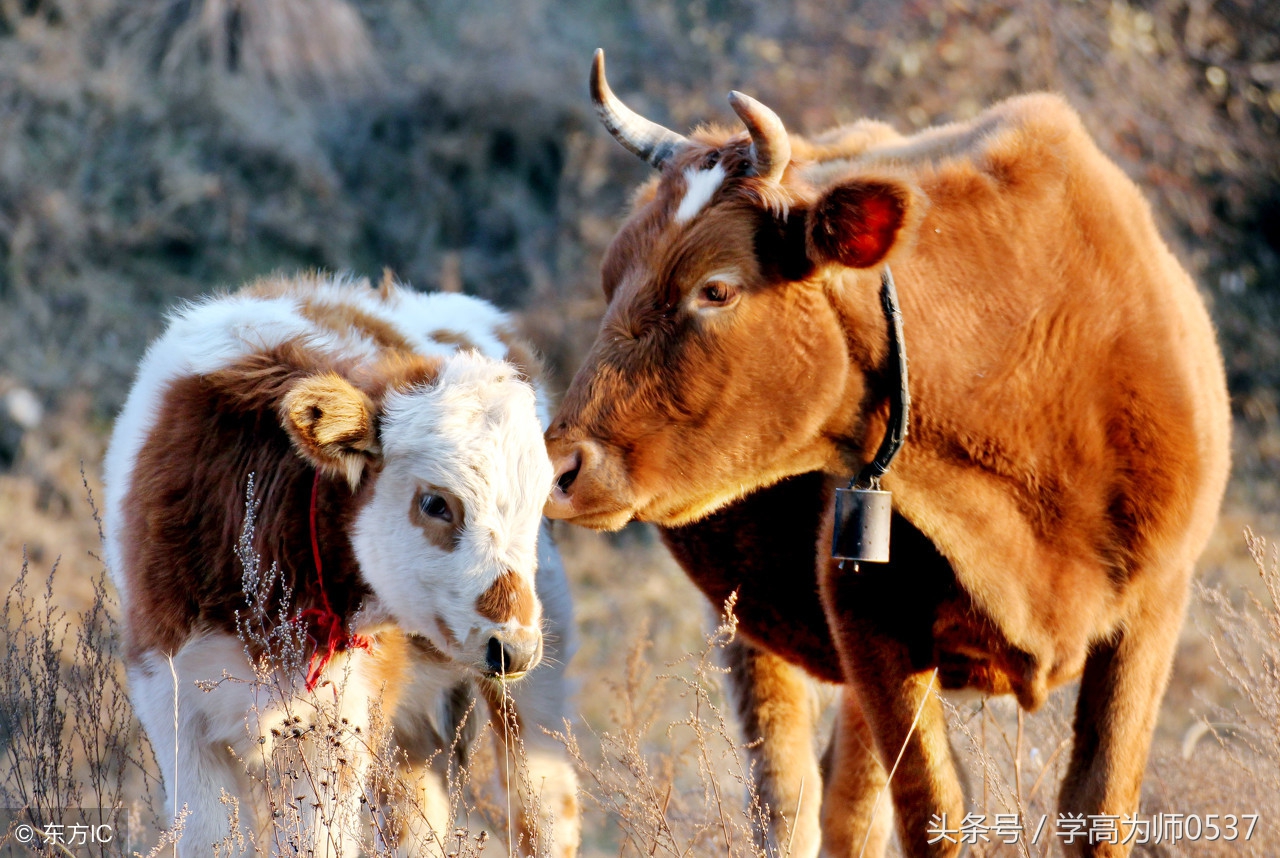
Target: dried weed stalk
[1246, 640]
[699, 798]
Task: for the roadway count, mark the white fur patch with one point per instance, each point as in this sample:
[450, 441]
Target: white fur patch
[700, 186]
[470, 433]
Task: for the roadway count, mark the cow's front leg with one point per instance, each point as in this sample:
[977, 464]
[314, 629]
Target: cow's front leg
[776, 708]
[761, 550]
[857, 810]
[902, 710]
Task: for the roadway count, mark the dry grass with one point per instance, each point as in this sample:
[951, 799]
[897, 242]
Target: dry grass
[67, 732]
[662, 767]
[698, 797]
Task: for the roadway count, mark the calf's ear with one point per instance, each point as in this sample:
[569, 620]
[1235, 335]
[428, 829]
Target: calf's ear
[332, 425]
[856, 223]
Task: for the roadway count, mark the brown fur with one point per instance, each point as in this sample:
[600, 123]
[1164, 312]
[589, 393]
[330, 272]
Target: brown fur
[1066, 457]
[182, 519]
[452, 338]
[520, 353]
[508, 600]
[343, 318]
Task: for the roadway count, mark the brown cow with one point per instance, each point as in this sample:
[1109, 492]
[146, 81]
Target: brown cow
[1065, 461]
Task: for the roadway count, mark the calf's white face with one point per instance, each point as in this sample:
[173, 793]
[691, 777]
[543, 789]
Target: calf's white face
[446, 536]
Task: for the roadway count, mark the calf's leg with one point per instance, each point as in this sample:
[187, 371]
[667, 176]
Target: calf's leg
[205, 739]
[191, 732]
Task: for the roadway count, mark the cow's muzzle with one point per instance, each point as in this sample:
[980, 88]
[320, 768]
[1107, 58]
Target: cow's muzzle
[591, 485]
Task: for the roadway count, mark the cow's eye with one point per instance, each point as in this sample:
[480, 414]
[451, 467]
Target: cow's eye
[717, 293]
[434, 506]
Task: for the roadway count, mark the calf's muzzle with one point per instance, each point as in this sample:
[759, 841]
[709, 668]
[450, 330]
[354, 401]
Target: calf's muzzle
[512, 655]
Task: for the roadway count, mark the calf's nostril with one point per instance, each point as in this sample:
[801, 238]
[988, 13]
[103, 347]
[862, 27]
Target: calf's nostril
[512, 657]
[496, 657]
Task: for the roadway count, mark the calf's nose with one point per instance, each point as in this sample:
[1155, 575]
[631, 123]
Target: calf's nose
[514, 654]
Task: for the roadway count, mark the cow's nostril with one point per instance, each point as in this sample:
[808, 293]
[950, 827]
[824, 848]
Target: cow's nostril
[569, 472]
[565, 481]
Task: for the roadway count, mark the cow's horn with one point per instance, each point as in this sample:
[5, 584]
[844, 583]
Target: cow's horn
[651, 141]
[771, 147]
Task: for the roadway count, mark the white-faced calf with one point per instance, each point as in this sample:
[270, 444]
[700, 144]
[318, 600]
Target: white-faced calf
[395, 445]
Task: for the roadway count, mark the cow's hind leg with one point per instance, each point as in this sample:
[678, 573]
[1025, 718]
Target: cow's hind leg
[1124, 681]
[775, 702]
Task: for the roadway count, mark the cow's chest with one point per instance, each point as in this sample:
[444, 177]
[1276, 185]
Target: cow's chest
[767, 549]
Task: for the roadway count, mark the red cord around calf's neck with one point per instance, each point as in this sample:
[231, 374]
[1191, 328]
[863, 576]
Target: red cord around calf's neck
[331, 635]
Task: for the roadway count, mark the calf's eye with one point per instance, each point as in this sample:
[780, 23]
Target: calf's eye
[434, 506]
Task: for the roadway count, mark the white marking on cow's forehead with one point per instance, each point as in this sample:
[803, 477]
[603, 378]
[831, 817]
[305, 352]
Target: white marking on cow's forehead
[700, 186]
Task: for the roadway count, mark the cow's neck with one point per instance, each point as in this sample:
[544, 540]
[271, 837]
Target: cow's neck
[863, 426]
[895, 431]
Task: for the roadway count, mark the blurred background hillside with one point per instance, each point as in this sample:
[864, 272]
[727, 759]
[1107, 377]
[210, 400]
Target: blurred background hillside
[153, 150]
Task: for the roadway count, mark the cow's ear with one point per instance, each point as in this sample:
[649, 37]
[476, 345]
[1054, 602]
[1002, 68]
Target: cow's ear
[856, 223]
[332, 424]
